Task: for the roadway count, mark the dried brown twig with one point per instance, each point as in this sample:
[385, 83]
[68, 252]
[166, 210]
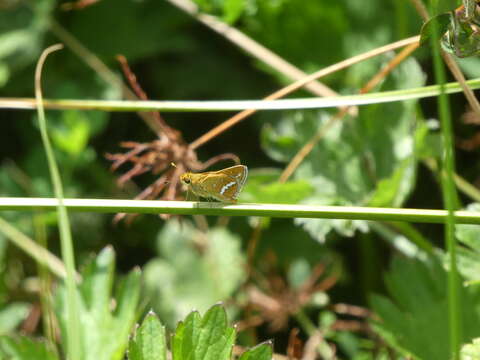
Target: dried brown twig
[276, 301]
[77, 5]
[158, 155]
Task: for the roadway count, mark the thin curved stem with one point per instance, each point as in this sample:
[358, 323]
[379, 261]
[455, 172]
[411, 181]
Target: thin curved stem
[73, 330]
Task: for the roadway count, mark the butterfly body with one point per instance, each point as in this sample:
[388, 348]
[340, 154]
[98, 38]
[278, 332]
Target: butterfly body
[223, 185]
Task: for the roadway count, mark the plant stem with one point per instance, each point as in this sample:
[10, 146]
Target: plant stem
[37, 252]
[449, 194]
[210, 106]
[221, 209]
[73, 330]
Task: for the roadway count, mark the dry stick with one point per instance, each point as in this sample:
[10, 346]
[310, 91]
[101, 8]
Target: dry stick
[308, 147]
[421, 8]
[458, 75]
[451, 63]
[102, 70]
[298, 84]
[252, 47]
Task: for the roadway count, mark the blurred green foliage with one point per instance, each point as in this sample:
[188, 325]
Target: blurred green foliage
[417, 313]
[193, 270]
[105, 328]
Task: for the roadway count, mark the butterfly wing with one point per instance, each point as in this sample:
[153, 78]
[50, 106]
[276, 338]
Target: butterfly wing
[225, 185]
[236, 177]
[238, 172]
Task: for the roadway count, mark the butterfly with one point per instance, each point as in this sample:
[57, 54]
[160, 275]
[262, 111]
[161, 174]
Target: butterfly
[223, 185]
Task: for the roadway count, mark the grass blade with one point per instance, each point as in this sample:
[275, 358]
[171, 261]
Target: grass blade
[449, 192]
[73, 331]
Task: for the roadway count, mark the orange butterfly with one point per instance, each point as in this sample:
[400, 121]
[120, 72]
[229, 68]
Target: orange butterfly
[223, 185]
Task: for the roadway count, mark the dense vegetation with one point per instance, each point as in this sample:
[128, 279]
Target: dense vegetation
[320, 288]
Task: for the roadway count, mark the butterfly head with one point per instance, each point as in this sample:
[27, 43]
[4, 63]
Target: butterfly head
[186, 178]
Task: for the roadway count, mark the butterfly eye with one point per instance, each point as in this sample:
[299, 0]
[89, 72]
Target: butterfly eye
[186, 180]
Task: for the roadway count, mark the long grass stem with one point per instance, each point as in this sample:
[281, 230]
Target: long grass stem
[449, 194]
[73, 330]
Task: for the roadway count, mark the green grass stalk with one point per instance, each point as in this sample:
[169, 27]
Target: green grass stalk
[73, 330]
[37, 252]
[221, 209]
[449, 194]
[235, 105]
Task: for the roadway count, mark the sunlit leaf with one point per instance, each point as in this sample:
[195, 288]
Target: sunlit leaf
[259, 352]
[204, 338]
[149, 342]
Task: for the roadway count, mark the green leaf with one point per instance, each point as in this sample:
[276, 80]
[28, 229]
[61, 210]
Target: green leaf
[11, 316]
[22, 29]
[24, 348]
[389, 190]
[469, 234]
[149, 342]
[415, 312]
[263, 188]
[260, 352]
[232, 10]
[183, 277]
[72, 133]
[98, 281]
[358, 161]
[207, 338]
[105, 329]
[443, 25]
[469, 254]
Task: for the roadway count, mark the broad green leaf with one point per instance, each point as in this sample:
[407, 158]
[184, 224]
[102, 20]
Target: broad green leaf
[148, 342]
[369, 160]
[415, 312]
[105, 328]
[186, 277]
[24, 348]
[204, 338]
[259, 352]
